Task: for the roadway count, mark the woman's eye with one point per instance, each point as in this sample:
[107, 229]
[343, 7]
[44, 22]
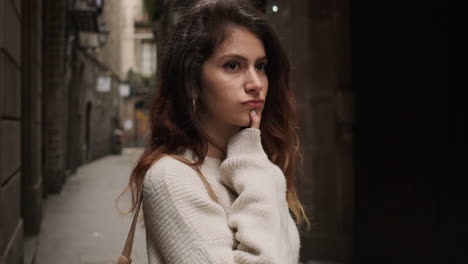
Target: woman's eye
[232, 66]
[261, 66]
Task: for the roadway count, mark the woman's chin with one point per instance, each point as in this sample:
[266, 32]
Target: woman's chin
[244, 123]
[241, 123]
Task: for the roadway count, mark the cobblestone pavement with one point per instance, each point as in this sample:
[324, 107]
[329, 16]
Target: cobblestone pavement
[82, 225]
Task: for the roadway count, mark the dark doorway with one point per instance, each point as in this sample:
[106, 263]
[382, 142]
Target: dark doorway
[401, 149]
[88, 132]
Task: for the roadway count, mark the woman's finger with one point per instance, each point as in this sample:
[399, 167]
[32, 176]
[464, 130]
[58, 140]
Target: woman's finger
[254, 119]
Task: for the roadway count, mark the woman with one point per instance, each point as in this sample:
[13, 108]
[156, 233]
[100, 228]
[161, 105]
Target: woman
[224, 106]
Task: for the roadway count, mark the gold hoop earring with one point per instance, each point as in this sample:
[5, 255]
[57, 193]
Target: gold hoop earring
[194, 106]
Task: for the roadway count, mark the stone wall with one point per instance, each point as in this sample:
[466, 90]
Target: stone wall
[11, 225]
[104, 106]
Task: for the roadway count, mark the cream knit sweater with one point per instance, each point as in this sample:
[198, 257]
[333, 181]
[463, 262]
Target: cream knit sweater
[251, 224]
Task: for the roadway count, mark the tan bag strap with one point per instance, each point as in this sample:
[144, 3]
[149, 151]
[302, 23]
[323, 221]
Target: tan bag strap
[211, 193]
[125, 257]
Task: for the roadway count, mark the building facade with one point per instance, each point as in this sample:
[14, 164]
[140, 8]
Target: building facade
[59, 107]
[11, 223]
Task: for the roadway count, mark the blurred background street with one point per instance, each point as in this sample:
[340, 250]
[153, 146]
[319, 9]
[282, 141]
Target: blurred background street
[81, 225]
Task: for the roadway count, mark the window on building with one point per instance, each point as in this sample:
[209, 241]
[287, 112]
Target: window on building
[148, 57]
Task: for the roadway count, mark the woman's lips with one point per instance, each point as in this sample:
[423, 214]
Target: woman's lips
[253, 104]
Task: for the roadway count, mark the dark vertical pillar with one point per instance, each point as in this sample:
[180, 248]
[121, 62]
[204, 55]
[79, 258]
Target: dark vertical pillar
[75, 112]
[31, 154]
[55, 95]
[88, 128]
[405, 194]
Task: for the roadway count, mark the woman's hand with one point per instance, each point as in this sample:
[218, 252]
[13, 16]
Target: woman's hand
[254, 119]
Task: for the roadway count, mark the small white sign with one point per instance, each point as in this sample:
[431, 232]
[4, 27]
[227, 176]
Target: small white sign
[103, 84]
[128, 124]
[124, 90]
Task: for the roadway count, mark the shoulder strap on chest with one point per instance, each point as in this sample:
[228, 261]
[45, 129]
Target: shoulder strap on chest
[211, 193]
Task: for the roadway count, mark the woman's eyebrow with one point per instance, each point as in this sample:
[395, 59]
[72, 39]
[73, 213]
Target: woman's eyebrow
[239, 57]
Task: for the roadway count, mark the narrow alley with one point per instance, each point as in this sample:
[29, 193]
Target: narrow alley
[82, 225]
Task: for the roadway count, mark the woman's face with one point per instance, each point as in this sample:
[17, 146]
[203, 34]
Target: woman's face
[232, 76]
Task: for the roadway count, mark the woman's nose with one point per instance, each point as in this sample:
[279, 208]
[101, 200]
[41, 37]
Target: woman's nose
[253, 81]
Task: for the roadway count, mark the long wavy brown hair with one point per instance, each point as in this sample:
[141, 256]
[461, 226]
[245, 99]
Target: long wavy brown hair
[173, 120]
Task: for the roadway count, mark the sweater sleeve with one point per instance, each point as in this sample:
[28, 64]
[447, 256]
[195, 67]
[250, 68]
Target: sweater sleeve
[186, 226]
[260, 213]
